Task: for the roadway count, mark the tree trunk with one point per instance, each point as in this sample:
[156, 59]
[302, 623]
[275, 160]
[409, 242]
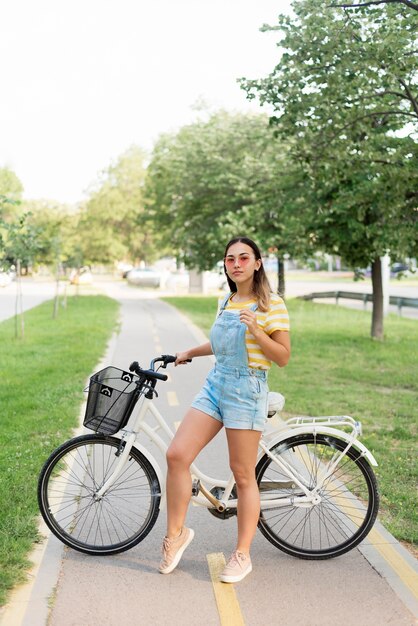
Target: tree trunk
[377, 314]
[56, 299]
[281, 284]
[19, 303]
[57, 291]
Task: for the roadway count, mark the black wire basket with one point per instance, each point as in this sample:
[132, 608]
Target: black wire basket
[112, 395]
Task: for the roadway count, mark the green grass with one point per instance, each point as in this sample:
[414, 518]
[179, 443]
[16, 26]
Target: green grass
[42, 380]
[336, 369]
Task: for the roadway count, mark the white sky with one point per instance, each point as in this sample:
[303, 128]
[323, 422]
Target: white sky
[82, 80]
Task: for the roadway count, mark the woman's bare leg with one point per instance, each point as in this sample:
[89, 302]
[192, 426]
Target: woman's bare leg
[194, 433]
[243, 446]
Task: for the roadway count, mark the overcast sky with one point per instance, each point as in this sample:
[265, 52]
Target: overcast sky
[82, 80]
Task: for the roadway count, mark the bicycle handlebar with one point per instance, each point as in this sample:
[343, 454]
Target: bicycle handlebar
[146, 374]
[167, 358]
[151, 374]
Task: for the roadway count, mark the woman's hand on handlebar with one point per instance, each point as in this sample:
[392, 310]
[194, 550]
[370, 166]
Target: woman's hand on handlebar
[182, 358]
[185, 357]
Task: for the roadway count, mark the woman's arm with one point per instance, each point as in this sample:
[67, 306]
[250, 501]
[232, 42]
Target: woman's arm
[204, 350]
[275, 347]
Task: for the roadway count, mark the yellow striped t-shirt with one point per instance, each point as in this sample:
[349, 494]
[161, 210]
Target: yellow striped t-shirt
[276, 318]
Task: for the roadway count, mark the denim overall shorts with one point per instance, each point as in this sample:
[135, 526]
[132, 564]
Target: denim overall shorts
[233, 393]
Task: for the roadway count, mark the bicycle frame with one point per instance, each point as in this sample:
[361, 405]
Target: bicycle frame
[294, 426]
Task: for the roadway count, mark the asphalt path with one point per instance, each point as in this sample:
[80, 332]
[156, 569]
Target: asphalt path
[357, 588]
[33, 293]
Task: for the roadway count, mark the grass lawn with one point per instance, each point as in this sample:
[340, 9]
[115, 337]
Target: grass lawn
[337, 369]
[42, 380]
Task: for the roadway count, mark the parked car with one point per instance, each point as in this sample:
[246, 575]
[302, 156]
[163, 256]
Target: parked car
[144, 277]
[399, 268]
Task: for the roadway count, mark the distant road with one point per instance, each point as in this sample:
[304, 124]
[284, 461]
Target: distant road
[35, 292]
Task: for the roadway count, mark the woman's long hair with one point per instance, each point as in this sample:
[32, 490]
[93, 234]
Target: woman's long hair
[261, 285]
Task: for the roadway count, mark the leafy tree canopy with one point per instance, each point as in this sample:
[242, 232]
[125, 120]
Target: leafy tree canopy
[345, 94]
[11, 190]
[111, 224]
[221, 177]
[55, 227]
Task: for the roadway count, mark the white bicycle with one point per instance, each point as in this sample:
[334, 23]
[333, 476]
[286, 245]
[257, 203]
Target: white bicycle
[101, 493]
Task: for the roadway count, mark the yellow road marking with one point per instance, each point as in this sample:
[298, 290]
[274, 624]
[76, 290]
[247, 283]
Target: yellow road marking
[156, 338]
[172, 398]
[176, 425]
[228, 606]
[398, 564]
[405, 572]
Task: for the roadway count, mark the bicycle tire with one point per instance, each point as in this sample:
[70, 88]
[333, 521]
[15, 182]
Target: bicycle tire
[120, 519]
[349, 498]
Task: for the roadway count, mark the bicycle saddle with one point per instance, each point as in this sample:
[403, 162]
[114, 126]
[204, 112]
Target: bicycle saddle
[275, 403]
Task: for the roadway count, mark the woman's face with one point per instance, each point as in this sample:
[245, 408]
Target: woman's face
[240, 263]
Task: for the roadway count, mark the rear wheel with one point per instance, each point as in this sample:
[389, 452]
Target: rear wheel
[349, 498]
[67, 489]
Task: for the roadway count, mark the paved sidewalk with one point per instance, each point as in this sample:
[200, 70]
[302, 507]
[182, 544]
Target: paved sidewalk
[373, 586]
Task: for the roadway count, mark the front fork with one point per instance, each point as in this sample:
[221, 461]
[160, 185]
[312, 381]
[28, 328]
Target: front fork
[124, 449]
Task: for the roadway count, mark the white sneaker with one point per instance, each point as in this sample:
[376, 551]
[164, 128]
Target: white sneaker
[237, 568]
[173, 549]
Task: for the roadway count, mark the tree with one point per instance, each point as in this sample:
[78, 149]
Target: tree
[111, 223]
[53, 224]
[11, 190]
[195, 185]
[10, 185]
[18, 246]
[368, 3]
[219, 177]
[344, 93]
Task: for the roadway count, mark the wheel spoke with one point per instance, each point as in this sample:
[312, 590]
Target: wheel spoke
[117, 520]
[348, 498]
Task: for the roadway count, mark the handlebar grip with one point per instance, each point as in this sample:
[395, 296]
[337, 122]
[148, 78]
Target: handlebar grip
[157, 375]
[134, 367]
[169, 358]
[148, 374]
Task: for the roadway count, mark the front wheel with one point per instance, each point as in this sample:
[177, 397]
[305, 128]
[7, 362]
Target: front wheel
[348, 504]
[67, 489]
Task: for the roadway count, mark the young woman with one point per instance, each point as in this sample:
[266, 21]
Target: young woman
[251, 330]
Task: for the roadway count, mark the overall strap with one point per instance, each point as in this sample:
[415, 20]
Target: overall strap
[224, 302]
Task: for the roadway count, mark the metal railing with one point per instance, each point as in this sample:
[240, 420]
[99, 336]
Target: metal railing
[399, 301]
